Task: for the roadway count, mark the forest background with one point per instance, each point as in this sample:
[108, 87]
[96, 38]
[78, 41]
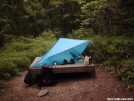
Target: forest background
[29, 28]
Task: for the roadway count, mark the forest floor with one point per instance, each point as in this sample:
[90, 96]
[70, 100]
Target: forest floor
[71, 87]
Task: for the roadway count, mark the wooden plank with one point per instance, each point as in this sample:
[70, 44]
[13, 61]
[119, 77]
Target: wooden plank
[68, 68]
[60, 66]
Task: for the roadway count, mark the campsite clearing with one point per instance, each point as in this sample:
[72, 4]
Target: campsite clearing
[70, 87]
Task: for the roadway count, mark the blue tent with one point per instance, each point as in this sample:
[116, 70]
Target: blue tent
[64, 49]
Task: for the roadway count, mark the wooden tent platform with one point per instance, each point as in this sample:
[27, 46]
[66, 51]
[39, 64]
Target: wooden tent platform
[68, 68]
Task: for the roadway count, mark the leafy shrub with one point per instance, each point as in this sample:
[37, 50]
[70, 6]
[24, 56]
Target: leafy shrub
[114, 49]
[106, 48]
[127, 71]
[17, 55]
[110, 51]
[51, 35]
[2, 85]
[82, 33]
[48, 35]
[7, 69]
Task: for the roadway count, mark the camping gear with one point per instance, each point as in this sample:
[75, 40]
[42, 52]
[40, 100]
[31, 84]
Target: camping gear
[64, 62]
[71, 61]
[64, 49]
[68, 68]
[28, 78]
[90, 60]
[42, 93]
[86, 60]
[46, 78]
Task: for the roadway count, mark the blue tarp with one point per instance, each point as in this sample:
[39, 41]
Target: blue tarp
[64, 49]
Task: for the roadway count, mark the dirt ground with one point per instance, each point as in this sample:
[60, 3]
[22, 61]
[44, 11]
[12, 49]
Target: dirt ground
[71, 87]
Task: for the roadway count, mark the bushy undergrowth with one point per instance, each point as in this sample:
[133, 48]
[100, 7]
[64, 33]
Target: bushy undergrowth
[110, 51]
[127, 71]
[18, 54]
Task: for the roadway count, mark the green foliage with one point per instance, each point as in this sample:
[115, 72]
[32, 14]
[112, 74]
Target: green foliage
[108, 16]
[49, 35]
[115, 49]
[104, 48]
[35, 19]
[82, 33]
[127, 71]
[110, 51]
[31, 18]
[93, 12]
[17, 55]
[2, 85]
[94, 8]
[7, 69]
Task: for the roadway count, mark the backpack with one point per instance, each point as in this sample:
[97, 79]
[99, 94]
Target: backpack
[46, 79]
[28, 78]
